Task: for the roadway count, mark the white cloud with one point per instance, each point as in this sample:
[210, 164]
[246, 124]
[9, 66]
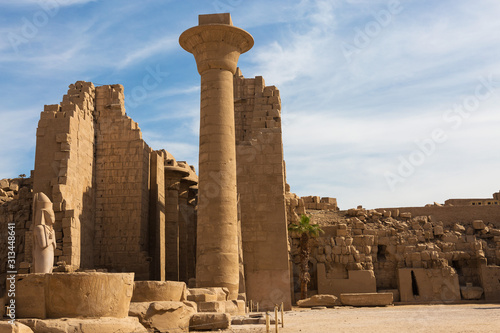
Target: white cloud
[162, 45]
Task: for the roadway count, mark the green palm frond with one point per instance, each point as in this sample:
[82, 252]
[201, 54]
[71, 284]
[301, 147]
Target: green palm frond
[305, 227]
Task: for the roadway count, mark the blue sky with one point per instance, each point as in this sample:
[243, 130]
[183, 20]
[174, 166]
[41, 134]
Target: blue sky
[385, 103]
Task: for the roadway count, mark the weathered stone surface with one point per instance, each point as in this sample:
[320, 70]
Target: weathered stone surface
[217, 306]
[164, 316]
[209, 321]
[222, 293]
[156, 291]
[17, 327]
[319, 300]
[436, 284]
[216, 48]
[85, 325]
[235, 308]
[478, 224]
[367, 299]
[74, 295]
[205, 294]
[469, 292]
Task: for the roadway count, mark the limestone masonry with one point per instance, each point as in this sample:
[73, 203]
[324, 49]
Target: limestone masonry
[144, 242]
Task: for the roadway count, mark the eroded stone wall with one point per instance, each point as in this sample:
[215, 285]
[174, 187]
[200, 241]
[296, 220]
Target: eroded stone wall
[387, 241]
[15, 215]
[122, 187]
[64, 165]
[261, 186]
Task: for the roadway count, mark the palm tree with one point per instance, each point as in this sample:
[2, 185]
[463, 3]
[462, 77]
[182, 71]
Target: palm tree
[306, 230]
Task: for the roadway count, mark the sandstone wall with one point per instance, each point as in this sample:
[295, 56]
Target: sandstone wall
[453, 214]
[122, 187]
[15, 212]
[157, 216]
[64, 165]
[360, 239]
[261, 186]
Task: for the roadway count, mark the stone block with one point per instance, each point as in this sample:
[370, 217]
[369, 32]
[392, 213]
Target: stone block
[74, 295]
[151, 291]
[319, 300]
[222, 293]
[212, 306]
[367, 299]
[202, 298]
[235, 308]
[6, 327]
[167, 316]
[394, 292]
[209, 321]
[469, 292]
[405, 215]
[478, 225]
[85, 325]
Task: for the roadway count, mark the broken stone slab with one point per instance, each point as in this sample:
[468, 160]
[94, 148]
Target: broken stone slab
[235, 308]
[158, 291]
[366, 299]
[17, 327]
[71, 295]
[202, 295]
[209, 321]
[319, 300]
[4, 184]
[217, 306]
[470, 292]
[167, 316]
[478, 225]
[221, 292]
[84, 325]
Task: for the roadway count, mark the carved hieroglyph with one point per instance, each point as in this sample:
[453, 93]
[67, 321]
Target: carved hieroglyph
[44, 239]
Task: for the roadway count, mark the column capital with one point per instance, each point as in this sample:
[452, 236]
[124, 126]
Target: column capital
[216, 46]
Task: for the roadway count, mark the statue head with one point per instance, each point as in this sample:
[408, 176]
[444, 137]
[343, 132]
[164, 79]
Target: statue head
[43, 212]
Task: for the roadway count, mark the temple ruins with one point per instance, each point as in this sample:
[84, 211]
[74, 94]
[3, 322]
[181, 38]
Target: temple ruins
[150, 244]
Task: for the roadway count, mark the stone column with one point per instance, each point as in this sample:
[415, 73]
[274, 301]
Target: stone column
[173, 176]
[216, 45]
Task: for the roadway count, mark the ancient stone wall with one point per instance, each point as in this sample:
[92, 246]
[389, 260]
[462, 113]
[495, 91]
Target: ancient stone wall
[450, 215]
[64, 165]
[157, 216]
[261, 186]
[387, 241]
[15, 214]
[122, 187]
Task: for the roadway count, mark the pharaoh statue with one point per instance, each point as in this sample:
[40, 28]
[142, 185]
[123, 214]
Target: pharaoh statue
[44, 238]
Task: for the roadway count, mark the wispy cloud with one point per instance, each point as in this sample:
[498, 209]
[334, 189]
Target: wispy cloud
[147, 50]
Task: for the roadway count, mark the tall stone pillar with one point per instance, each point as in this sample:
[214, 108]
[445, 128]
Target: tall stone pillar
[216, 45]
[173, 176]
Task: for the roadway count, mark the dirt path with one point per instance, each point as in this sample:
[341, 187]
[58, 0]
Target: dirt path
[395, 319]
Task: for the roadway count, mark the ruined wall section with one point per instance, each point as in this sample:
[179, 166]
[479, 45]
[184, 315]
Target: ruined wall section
[64, 171]
[157, 215]
[450, 215]
[122, 187]
[261, 187]
[15, 214]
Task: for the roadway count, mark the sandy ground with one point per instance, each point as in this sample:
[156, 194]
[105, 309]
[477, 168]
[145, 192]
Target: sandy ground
[400, 319]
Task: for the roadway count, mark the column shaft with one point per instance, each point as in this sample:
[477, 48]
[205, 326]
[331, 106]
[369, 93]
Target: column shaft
[217, 263]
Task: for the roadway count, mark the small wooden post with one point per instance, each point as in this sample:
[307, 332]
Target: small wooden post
[257, 307]
[276, 319]
[282, 316]
[268, 322]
